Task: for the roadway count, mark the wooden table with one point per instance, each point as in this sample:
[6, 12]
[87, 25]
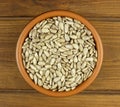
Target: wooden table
[105, 17]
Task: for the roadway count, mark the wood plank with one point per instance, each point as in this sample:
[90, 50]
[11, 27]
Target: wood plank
[108, 79]
[37, 100]
[111, 63]
[10, 76]
[86, 8]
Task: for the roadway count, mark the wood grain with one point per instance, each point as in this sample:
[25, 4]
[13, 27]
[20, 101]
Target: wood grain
[104, 15]
[88, 8]
[37, 100]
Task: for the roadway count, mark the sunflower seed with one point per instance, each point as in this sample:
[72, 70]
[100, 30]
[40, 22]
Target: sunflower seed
[46, 53]
[47, 73]
[61, 25]
[35, 79]
[31, 75]
[59, 66]
[26, 54]
[83, 65]
[89, 59]
[68, 46]
[45, 86]
[59, 53]
[56, 79]
[61, 89]
[75, 46]
[38, 75]
[52, 61]
[40, 83]
[34, 61]
[73, 36]
[45, 30]
[75, 59]
[53, 31]
[78, 79]
[73, 72]
[41, 63]
[59, 73]
[32, 67]
[66, 28]
[85, 51]
[67, 38]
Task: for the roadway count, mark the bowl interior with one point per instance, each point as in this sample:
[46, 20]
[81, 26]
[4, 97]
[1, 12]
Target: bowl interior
[24, 34]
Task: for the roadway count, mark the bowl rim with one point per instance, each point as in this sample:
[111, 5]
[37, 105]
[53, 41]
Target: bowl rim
[24, 34]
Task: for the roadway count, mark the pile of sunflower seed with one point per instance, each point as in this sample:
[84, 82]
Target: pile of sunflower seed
[59, 53]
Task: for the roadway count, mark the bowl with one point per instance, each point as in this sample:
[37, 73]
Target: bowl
[24, 34]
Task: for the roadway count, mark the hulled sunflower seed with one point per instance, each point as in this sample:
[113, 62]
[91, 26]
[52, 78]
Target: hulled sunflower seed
[38, 75]
[73, 36]
[31, 75]
[69, 46]
[45, 30]
[34, 61]
[75, 46]
[35, 79]
[56, 79]
[47, 73]
[59, 53]
[41, 63]
[67, 38]
[40, 83]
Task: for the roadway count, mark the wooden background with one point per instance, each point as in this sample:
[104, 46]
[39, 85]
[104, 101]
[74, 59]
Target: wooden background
[105, 17]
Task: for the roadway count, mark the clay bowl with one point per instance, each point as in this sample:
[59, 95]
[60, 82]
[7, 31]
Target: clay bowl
[24, 34]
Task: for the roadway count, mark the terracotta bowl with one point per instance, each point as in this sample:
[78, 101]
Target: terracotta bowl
[24, 34]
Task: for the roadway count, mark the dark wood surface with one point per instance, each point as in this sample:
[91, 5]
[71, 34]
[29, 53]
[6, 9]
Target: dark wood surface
[104, 15]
